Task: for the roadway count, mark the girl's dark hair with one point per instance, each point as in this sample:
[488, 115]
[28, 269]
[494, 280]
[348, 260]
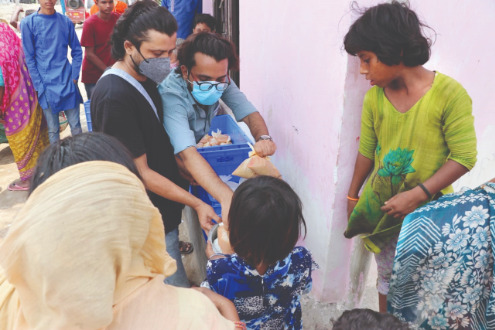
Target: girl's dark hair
[210, 44]
[137, 20]
[78, 149]
[206, 19]
[265, 220]
[393, 32]
[365, 318]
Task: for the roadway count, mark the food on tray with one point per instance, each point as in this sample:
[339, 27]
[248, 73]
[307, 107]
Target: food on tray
[215, 139]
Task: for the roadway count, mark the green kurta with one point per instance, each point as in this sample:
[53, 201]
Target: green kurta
[408, 148]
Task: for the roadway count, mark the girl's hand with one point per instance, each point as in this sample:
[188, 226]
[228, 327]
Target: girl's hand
[350, 207]
[404, 203]
[224, 305]
[205, 216]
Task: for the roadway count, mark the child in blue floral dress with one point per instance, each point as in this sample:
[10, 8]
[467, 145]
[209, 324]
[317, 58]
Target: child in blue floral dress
[417, 131]
[267, 274]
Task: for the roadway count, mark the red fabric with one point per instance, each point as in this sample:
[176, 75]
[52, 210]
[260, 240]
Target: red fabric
[96, 33]
[11, 60]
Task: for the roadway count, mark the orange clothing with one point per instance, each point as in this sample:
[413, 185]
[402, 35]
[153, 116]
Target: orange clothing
[119, 8]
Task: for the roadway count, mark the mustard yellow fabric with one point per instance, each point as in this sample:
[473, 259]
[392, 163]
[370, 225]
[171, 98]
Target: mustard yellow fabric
[408, 148]
[87, 251]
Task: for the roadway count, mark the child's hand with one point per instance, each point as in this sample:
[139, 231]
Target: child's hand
[224, 305]
[350, 207]
[404, 203]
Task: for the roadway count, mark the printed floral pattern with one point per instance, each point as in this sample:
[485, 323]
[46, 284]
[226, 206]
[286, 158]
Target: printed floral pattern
[269, 301]
[396, 164]
[443, 270]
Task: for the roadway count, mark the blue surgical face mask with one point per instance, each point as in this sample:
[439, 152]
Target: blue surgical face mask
[208, 97]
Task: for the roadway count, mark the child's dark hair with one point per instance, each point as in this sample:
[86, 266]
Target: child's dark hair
[210, 44]
[393, 32]
[265, 220]
[206, 19]
[78, 149]
[357, 319]
[136, 21]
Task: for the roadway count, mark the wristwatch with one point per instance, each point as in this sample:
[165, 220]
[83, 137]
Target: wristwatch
[265, 137]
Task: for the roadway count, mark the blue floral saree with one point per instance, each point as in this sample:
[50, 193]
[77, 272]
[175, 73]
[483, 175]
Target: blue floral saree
[443, 268]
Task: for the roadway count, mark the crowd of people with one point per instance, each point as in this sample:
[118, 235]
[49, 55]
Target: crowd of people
[154, 85]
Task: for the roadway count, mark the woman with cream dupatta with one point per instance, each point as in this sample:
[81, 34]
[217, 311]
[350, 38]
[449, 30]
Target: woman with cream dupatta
[98, 264]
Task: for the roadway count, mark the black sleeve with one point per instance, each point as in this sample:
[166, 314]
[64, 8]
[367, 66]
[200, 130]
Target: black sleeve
[117, 118]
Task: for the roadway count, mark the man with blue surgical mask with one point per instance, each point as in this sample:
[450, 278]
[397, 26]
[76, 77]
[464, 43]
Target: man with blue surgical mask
[190, 97]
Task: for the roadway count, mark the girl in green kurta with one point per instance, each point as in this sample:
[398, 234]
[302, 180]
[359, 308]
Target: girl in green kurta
[417, 131]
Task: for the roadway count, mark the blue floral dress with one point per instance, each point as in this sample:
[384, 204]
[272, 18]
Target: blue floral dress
[443, 270]
[269, 301]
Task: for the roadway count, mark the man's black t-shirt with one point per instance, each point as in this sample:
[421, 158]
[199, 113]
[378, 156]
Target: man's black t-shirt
[120, 110]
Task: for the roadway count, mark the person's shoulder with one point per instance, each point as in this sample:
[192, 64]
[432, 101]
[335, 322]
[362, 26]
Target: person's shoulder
[28, 20]
[174, 82]
[301, 255]
[66, 20]
[374, 91]
[113, 89]
[173, 85]
[448, 82]
[90, 21]
[300, 252]
[115, 16]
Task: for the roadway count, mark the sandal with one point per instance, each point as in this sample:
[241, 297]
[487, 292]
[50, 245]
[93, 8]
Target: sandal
[185, 247]
[15, 187]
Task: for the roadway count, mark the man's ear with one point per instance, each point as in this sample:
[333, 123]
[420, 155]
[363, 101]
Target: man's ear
[183, 69]
[129, 47]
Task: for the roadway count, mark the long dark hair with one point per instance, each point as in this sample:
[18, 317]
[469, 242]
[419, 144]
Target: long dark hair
[77, 149]
[137, 20]
[265, 220]
[393, 32]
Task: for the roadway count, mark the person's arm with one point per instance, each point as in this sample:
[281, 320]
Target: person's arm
[224, 305]
[405, 202]
[93, 58]
[368, 142]
[76, 52]
[14, 20]
[258, 128]
[244, 110]
[206, 177]
[28, 44]
[162, 186]
[362, 169]
[176, 123]
[88, 41]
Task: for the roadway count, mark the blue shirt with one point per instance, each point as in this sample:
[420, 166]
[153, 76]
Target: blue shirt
[185, 121]
[184, 12]
[2, 83]
[45, 39]
[269, 301]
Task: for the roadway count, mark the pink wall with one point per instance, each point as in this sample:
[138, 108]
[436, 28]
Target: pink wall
[309, 91]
